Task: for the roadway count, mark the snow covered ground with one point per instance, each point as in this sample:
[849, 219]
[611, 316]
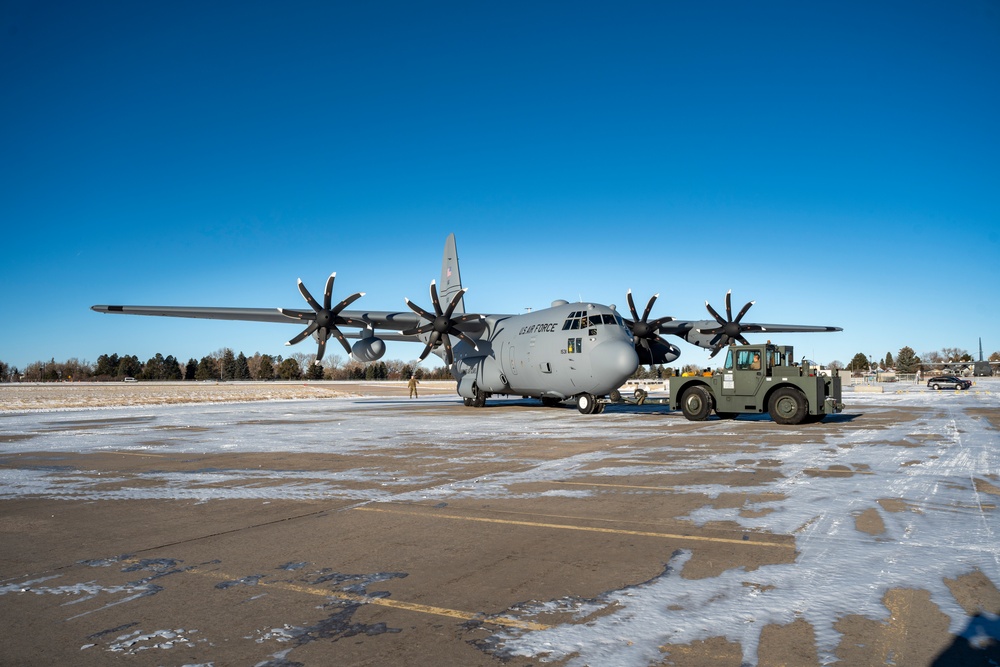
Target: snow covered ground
[930, 486]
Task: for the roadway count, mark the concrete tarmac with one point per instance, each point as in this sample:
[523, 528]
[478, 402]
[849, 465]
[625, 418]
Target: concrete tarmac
[424, 551]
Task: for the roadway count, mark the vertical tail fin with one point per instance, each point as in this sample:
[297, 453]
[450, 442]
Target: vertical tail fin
[451, 279]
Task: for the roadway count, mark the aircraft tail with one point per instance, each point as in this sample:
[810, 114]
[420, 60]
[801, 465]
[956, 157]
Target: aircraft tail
[451, 279]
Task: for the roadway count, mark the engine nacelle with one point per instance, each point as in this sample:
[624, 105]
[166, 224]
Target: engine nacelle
[484, 372]
[660, 353]
[368, 349]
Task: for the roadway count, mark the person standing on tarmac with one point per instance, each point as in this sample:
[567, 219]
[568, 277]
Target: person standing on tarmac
[412, 384]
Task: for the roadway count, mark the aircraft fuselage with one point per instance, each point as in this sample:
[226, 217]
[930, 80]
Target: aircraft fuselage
[559, 352]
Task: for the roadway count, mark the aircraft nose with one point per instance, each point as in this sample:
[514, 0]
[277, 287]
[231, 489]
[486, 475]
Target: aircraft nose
[614, 361]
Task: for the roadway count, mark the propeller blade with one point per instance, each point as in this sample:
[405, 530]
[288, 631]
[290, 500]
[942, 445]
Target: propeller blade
[469, 317]
[328, 292]
[461, 336]
[434, 299]
[296, 314]
[718, 318]
[729, 305]
[308, 331]
[420, 311]
[454, 302]
[631, 306]
[649, 306]
[322, 343]
[744, 311]
[346, 302]
[308, 297]
[418, 330]
[448, 357]
[340, 336]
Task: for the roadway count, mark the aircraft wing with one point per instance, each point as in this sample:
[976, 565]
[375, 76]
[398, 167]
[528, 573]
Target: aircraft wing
[398, 321]
[711, 334]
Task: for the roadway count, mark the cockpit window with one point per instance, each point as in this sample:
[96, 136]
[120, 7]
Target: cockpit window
[581, 320]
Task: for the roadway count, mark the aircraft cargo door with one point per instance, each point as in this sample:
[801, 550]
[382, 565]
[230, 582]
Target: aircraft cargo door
[511, 366]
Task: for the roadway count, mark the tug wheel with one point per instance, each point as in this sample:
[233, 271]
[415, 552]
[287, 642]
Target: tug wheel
[696, 404]
[787, 406]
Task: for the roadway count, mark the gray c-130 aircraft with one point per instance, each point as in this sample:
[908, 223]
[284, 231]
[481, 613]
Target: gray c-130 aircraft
[569, 351]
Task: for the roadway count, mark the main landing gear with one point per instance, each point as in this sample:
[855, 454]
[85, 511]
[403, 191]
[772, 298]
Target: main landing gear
[588, 405]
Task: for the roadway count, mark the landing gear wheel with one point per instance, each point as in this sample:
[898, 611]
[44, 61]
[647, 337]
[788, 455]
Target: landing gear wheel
[586, 404]
[599, 409]
[787, 406]
[696, 404]
[479, 397]
[468, 402]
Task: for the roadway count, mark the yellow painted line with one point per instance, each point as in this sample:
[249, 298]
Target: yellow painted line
[828, 471]
[586, 529]
[619, 486]
[379, 602]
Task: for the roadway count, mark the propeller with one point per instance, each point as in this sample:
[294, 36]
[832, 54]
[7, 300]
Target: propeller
[441, 324]
[729, 328]
[323, 319]
[643, 330]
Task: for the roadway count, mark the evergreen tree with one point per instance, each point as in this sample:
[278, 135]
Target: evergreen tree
[266, 369]
[129, 366]
[207, 369]
[171, 368]
[191, 369]
[242, 367]
[289, 370]
[107, 365]
[228, 364]
[859, 363]
[153, 369]
[315, 372]
[889, 363]
[907, 360]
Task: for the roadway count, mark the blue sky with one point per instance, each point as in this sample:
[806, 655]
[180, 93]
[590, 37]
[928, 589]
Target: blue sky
[836, 162]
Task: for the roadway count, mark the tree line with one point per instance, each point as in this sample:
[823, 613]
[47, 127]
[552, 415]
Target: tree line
[223, 365]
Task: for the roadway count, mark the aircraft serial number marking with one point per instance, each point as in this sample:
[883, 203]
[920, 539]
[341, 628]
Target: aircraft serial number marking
[538, 328]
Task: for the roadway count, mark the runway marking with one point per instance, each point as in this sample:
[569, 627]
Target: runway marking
[586, 529]
[506, 621]
[619, 486]
[159, 456]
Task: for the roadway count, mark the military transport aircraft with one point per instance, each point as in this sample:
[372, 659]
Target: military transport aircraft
[579, 351]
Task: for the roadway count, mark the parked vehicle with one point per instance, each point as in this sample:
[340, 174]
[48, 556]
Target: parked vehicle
[948, 382]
